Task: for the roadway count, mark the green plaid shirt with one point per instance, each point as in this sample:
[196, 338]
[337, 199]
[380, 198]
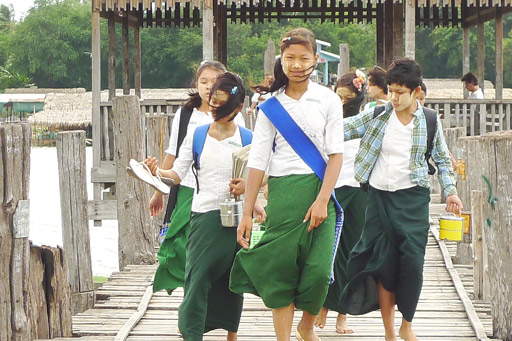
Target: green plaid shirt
[371, 131]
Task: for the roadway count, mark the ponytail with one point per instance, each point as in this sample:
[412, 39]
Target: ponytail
[280, 80]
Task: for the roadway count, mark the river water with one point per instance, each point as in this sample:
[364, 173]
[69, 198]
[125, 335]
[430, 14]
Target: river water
[45, 219]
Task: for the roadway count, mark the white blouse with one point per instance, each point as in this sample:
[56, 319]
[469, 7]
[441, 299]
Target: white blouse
[196, 119]
[392, 171]
[215, 169]
[347, 173]
[319, 112]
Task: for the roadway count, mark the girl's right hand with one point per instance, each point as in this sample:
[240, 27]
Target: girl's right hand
[156, 204]
[243, 232]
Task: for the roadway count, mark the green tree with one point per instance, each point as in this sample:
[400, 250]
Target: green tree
[51, 45]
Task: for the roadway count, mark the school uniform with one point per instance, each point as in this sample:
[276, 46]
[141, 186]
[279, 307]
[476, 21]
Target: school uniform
[392, 245]
[353, 201]
[290, 265]
[171, 255]
[208, 304]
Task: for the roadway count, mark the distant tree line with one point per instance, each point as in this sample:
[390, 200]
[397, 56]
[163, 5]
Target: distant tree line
[51, 47]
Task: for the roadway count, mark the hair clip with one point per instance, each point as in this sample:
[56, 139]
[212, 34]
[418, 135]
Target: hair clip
[286, 39]
[233, 91]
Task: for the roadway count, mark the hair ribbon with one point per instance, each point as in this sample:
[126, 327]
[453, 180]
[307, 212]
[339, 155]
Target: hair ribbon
[233, 91]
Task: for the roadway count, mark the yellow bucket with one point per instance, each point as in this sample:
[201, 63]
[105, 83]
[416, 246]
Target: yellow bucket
[451, 228]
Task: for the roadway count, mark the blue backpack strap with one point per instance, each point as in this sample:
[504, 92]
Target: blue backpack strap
[307, 151]
[197, 148]
[246, 136]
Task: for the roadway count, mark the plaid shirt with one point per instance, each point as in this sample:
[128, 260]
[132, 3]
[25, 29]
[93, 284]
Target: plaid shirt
[371, 131]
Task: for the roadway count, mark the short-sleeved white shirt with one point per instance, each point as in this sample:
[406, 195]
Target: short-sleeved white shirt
[214, 173]
[347, 173]
[196, 119]
[319, 112]
[477, 94]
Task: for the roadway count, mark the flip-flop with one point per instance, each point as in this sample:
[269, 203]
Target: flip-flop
[141, 171]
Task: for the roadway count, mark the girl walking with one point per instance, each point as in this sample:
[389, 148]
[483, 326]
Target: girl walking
[196, 111]
[351, 89]
[290, 267]
[208, 303]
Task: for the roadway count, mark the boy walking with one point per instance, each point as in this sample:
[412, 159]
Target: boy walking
[386, 266]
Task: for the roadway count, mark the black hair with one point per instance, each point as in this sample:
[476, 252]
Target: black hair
[424, 88]
[194, 100]
[233, 85]
[352, 107]
[301, 36]
[405, 72]
[377, 77]
[470, 77]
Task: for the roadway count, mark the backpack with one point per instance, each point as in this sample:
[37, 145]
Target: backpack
[431, 118]
[185, 115]
[198, 144]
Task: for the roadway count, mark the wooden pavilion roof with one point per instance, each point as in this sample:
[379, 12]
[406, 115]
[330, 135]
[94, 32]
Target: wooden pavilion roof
[170, 13]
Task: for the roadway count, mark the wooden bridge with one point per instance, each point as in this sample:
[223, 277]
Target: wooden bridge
[126, 308]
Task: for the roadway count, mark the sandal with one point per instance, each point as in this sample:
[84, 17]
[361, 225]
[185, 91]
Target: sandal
[141, 171]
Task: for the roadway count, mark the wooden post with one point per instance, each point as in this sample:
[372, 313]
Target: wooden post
[344, 65]
[398, 30]
[465, 56]
[38, 307]
[498, 228]
[410, 29]
[477, 226]
[480, 43]
[380, 36]
[136, 238]
[96, 96]
[111, 56]
[269, 58]
[499, 54]
[126, 55]
[14, 246]
[388, 33]
[207, 30]
[157, 141]
[75, 228]
[137, 61]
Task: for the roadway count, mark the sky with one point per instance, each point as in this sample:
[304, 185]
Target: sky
[20, 6]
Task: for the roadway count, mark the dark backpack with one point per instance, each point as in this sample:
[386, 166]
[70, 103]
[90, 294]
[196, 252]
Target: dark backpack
[431, 118]
[185, 115]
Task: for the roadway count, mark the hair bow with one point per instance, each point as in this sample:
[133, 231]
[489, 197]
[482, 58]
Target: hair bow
[233, 91]
[360, 80]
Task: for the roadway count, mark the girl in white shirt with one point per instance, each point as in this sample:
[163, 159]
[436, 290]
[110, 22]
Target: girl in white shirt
[208, 304]
[290, 266]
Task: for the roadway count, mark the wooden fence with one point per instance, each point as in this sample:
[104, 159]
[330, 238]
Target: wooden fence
[477, 117]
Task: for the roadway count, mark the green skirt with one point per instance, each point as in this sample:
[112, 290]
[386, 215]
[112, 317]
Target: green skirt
[171, 255]
[289, 265]
[353, 202]
[208, 303]
[391, 251]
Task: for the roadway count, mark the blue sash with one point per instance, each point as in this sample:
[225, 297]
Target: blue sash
[307, 151]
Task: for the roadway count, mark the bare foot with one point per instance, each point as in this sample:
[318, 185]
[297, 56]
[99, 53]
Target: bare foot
[321, 318]
[341, 325]
[306, 334]
[232, 336]
[407, 334]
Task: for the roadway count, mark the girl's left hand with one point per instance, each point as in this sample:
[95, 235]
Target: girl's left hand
[317, 213]
[237, 186]
[259, 213]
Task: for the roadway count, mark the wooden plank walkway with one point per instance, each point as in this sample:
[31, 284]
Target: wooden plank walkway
[441, 314]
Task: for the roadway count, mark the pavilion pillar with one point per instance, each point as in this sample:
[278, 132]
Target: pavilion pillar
[465, 56]
[137, 61]
[220, 34]
[380, 36]
[499, 53]
[480, 43]
[126, 55]
[111, 55]
[208, 30]
[96, 94]
[344, 65]
[398, 30]
[410, 29]
[388, 33]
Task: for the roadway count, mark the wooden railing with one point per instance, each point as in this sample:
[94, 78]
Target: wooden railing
[476, 116]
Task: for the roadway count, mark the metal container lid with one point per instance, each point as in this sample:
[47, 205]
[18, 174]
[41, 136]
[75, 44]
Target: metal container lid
[451, 217]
